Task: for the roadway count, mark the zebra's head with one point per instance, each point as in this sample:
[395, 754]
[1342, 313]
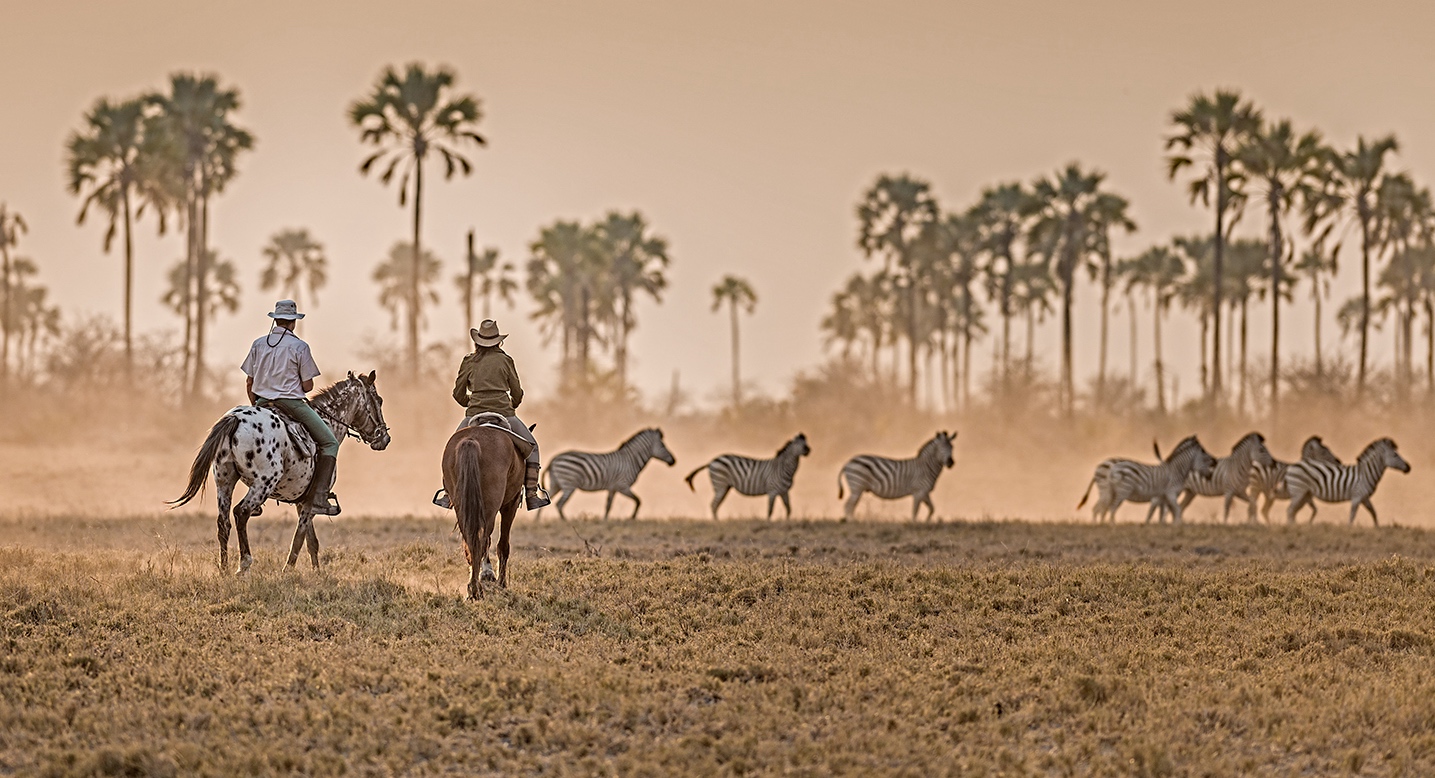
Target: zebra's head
[657, 450]
[1202, 463]
[797, 444]
[1383, 452]
[1255, 444]
[941, 447]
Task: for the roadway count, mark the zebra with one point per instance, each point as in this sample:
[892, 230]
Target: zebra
[752, 477]
[613, 471]
[1309, 481]
[1160, 484]
[1232, 476]
[1270, 482]
[891, 479]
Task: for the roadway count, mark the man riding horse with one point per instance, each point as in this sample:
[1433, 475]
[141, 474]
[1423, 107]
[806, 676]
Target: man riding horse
[281, 372]
[488, 383]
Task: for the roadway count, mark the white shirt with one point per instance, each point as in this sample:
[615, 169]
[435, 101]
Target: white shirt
[279, 363]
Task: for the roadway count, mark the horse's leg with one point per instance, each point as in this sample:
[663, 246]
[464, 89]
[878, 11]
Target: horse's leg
[225, 476]
[509, 511]
[480, 551]
[299, 537]
[312, 541]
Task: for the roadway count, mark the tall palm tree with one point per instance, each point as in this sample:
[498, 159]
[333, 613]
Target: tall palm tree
[220, 295]
[485, 276]
[737, 293]
[1069, 220]
[891, 217]
[109, 162]
[1285, 166]
[1195, 292]
[205, 144]
[294, 260]
[1001, 216]
[1319, 266]
[1406, 219]
[1207, 132]
[397, 282]
[636, 259]
[1245, 272]
[12, 226]
[1108, 212]
[408, 116]
[1159, 271]
[1032, 290]
[1351, 182]
[567, 279]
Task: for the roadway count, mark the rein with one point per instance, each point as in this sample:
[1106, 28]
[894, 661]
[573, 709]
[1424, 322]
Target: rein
[349, 430]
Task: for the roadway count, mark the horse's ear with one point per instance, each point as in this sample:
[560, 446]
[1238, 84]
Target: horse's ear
[373, 375]
[351, 375]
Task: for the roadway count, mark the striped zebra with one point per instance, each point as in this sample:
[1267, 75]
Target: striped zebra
[1270, 482]
[613, 471]
[1232, 475]
[1126, 480]
[753, 477]
[892, 479]
[1309, 481]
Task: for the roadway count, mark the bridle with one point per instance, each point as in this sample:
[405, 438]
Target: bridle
[377, 427]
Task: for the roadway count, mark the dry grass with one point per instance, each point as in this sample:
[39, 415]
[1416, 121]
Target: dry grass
[713, 649]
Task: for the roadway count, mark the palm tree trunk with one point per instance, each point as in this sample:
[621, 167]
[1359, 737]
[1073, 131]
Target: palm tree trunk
[191, 240]
[1277, 252]
[1244, 339]
[468, 288]
[1217, 272]
[5, 300]
[585, 333]
[1131, 314]
[1315, 295]
[417, 259]
[1006, 319]
[1105, 307]
[621, 357]
[1160, 370]
[1205, 365]
[1363, 212]
[1429, 346]
[1030, 335]
[736, 376]
[912, 341]
[966, 367]
[1068, 386]
[129, 288]
[201, 294]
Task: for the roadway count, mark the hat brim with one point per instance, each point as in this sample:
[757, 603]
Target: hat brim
[486, 342]
[286, 316]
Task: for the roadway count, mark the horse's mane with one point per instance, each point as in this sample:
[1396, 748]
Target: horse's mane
[331, 391]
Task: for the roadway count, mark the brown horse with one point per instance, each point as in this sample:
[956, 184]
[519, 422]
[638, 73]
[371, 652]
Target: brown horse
[483, 474]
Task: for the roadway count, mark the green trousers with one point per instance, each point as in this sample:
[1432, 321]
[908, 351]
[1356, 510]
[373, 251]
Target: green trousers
[306, 415]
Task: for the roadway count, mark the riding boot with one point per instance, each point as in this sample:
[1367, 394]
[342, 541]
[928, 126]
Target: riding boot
[317, 496]
[440, 498]
[537, 496]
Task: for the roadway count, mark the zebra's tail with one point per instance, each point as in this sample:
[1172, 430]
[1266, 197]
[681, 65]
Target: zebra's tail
[694, 473]
[1089, 484]
[219, 434]
[839, 483]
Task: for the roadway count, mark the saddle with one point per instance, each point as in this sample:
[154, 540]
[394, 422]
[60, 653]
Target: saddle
[299, 437]
[499, 422]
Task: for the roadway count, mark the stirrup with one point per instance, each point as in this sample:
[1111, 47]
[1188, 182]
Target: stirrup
[537, 497]
[329, 507]
[440, 498]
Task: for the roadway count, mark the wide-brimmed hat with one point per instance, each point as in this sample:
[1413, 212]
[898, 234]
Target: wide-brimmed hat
[287, 310]
[487, 334]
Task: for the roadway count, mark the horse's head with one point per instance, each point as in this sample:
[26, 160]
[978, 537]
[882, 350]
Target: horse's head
[367, 411]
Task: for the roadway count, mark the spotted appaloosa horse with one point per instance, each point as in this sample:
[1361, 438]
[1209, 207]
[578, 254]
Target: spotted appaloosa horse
[256, 446]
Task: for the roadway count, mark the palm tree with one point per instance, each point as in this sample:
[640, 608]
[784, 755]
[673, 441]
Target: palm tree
[1032, 290]
[407, 117]
[1285, 166]
[294, 260]
[737, 293]
[1070, 217]
[1244, 273]
[891, 217]
[1212, 127]
[205, 145]
[1159, 270]
[12, 226]
[1195, 292]
[1406, 218]
[567, 278]
[222, 294]
[396, 280]
[1109, 211]
[111, 162]
[486, 277]
[1001, 216]
[1351, 182]
[1319, 267]
[636, 259]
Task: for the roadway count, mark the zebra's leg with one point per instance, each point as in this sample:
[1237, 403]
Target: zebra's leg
[931, 509]
[568, 495]
[1176, 509]
[787, 506]
[1371, 508]
[1226, 508]
[916, 506]
[1187, 497]
[608, 507]
[1355, 508]
[719, 494]
[1297, 500]
[849, 508]
[1155, 504]
[771, 500]
[628, 492]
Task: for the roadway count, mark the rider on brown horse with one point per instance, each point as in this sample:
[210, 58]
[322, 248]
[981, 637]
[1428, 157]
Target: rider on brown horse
[281, 370]
[488, 383]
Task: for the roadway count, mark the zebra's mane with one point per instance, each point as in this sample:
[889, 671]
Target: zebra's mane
[1250, 439]
[640, 433]
[1376, 445]
[1182, 447]
[930, 446]
[785, 446]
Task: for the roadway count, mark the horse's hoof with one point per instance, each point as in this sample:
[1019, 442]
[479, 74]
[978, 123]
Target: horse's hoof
[245, 563]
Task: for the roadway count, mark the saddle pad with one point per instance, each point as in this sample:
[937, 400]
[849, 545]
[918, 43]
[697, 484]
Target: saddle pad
[523, 447]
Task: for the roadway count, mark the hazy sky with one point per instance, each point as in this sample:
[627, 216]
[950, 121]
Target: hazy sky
[745, 131]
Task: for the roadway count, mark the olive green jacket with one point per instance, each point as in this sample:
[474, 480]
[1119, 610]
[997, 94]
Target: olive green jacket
[488, 383]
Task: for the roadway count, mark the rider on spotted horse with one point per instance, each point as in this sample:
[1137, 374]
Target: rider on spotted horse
[488, 383]
[281, 370]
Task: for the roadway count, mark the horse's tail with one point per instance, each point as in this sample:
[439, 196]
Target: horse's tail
[1088, 492]
[467, 496]
[222, 432]
[691, 475]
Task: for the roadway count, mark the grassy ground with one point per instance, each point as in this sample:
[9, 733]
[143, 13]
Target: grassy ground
[721, 648]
